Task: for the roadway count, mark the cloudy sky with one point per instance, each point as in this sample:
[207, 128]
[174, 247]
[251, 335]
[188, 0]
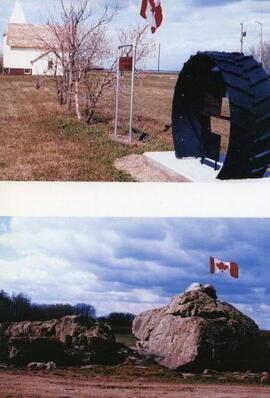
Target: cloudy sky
[189, 25]
[134, 264]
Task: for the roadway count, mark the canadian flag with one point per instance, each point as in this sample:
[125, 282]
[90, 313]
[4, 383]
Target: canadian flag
[151, 11]
[222, 266]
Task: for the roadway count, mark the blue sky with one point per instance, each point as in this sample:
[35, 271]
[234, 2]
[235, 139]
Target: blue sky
[134, 264]
[189, 25]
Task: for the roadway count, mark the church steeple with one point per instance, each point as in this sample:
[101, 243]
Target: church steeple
[18, 15]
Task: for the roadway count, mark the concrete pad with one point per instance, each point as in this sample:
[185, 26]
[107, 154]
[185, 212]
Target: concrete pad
[188, 169]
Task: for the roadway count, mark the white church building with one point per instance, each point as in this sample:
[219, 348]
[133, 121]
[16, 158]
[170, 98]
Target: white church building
[24, 48]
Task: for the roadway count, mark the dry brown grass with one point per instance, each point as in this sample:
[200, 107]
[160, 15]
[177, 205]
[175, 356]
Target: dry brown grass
[40, 141]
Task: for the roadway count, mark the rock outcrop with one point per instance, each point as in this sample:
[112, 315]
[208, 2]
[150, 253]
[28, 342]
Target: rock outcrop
[69, 340]
[196, 331]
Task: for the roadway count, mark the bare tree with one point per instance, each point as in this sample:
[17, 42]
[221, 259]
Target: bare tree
[95, 87]
[78, 42]
[81, 44]
[255, 51]
[98, 83]
[139, 35]
[266, 56]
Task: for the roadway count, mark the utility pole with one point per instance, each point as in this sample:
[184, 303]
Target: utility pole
[261, 41]
[243, 34]
[159, 51]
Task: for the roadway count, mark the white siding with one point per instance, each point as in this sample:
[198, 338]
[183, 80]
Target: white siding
[40, 67]
[21, 58]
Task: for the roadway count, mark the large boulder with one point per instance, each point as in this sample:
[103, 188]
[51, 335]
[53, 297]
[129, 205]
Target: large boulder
[196, 331]
[69, 340]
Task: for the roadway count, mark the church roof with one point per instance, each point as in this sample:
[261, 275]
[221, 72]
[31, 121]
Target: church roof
[17, 15]
[22, 35]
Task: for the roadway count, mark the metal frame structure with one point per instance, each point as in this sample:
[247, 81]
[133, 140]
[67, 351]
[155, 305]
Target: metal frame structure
[204, 81]
[134, 50]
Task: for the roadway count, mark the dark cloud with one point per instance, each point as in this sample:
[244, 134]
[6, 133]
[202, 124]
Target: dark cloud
[134, 263]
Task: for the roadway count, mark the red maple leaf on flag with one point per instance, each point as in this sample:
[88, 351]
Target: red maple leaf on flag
[222, 266]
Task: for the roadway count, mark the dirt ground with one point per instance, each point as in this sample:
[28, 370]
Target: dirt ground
[141, 171]
[73, 386]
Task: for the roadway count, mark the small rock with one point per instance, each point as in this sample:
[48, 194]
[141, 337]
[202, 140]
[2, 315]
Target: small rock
[265, 378]
[135, 360]
[194, 287]
[188, 375]
[253, 375]
[3, 366]
[211, 291]
[265, 381]
[242, 378]
[41, 366]
[208, 289]
[143, 136]
[50, 366]
[210, 372]
[246, 377]
[222, 378]
[37, 366]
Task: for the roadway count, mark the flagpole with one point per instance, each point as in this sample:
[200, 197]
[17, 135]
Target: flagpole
[117, 92]
[134, 52]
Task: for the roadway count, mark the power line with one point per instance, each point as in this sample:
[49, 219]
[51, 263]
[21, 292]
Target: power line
[159, 52]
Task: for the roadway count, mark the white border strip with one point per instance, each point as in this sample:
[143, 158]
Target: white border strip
[134, 199]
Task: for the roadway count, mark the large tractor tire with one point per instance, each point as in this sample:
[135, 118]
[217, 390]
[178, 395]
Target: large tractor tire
[204, 80]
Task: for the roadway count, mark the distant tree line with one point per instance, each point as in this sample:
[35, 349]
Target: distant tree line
[120, 322]
[255, 51]
[18, 307]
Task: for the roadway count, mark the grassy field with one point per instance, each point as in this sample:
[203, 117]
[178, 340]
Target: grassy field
[127, 339]
[41, 141]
